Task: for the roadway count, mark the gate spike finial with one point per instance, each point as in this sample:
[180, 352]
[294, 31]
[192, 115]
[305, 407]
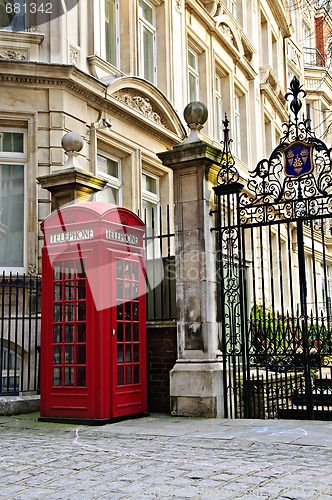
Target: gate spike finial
[295, 91]
[228, 173]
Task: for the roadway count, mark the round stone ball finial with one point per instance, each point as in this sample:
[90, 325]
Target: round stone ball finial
[195, 114]
[72, 142]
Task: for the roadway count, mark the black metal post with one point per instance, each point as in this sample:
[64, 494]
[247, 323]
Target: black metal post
[304, 319]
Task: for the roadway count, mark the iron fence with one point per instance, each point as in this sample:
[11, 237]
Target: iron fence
[19, 334]
[160, 265]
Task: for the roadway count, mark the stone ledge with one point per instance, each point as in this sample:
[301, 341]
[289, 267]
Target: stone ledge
[16, 405]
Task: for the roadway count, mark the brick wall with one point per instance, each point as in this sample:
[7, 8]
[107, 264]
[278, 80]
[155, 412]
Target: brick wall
[161, 357]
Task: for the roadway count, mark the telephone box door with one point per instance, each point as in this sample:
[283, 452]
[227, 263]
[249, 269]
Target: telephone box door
[129, 336]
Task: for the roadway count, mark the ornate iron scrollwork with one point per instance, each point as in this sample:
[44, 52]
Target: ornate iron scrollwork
[296, 179]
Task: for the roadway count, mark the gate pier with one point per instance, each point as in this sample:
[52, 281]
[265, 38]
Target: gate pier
[196, 380]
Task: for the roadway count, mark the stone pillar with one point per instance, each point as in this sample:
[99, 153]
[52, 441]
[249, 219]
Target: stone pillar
[196, 387]
[71, 184]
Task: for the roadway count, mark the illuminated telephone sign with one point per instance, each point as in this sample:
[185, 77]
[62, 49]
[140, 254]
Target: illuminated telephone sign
[93, 339]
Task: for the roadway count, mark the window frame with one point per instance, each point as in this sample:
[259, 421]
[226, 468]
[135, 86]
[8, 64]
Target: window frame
[194, 73]
[153, 246]
[24, 16]
[112, 182]
[237, 125]
[15, 158]
[102, 32]
[143, 23]
[219, 107]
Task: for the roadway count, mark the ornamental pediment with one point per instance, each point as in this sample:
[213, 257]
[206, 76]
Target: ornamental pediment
[228, 29]
[140, 104]
[140, 101]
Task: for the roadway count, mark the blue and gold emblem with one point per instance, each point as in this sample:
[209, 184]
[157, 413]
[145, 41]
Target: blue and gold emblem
[298, 159]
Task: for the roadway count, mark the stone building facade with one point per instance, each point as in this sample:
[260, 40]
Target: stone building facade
[135, 65]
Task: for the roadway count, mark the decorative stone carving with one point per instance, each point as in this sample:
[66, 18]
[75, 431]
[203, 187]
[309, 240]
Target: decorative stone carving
[74, 56]
[226, 31]
[140, 104]
[211, 6]
[32, 269]
[179, 5]
[33, 29]
[12, 54]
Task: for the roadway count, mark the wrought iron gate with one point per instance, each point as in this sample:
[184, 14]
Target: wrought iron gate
[274, 255]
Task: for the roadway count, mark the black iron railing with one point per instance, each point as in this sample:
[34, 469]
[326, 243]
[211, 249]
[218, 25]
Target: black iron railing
[19, 334]
[160, 265]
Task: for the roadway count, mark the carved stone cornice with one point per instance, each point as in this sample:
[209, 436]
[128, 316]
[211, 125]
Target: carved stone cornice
[21, 37]
[280, 12]
[267, 90]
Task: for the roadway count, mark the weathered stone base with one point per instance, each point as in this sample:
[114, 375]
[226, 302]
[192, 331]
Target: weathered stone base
[196, 389]
[17, 405]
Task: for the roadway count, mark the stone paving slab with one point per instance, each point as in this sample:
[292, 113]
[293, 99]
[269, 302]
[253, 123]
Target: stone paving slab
[161, 457]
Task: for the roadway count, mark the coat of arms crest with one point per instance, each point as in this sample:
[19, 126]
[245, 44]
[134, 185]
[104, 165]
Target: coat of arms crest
[298, 159]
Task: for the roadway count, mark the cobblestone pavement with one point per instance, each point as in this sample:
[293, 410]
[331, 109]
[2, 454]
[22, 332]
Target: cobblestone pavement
[160, 457]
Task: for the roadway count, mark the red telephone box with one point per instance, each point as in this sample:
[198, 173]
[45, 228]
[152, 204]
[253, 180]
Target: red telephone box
[93, 338]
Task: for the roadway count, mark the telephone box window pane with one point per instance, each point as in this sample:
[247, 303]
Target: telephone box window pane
[120, 354]
[127, 310]
[119, 311]
[57, 379]
[120, 332]
[57, 334]
[80, 290]
[136, 353]
[69, 312]
[69, 290]
[119, 289]
[80, 376]
[69, 376]
[81, 311]
[57, 296]
[120, 375]
[136, 332]
[135, 271]
[69, 269]
[57, 358]
[135, 307]
[69, 334]
[81, 335]
[136, 374]
[57, 272]
[127, 270]
[128, 332]
[69, 354]
[127, 290]
[80, 355]
[80, 271]
[57, 309]
[129, 374]
[134, 286]
[128, 353]
[119, 268]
